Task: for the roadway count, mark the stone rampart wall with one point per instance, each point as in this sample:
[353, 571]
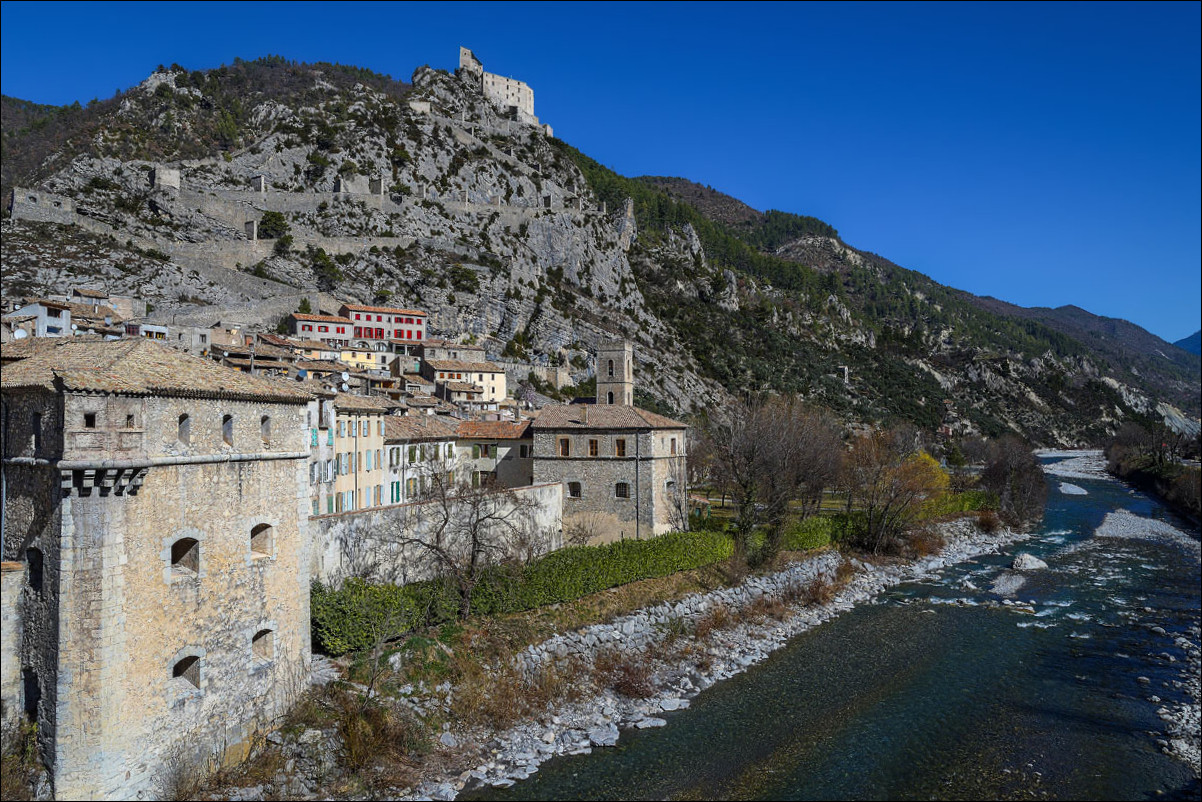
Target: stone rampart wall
[358, 543]
[12, 581]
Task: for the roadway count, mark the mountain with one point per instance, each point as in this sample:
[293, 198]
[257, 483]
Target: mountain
[1192, 343]
[425, 194]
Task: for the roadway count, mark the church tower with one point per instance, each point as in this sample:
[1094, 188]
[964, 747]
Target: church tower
[615, 373]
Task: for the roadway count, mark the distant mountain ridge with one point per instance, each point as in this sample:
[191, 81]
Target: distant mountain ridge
[1192, 343]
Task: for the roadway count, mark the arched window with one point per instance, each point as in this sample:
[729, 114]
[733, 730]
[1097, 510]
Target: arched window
[611, 368]
[265, 429]
[185, 556]
[187, 669]
[227, 429]
[34, 565]
[609, 397]
[261, 540]
[262, 645]
[184, 432]
[622, 490]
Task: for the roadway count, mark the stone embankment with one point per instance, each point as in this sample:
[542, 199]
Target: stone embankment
[581, 726]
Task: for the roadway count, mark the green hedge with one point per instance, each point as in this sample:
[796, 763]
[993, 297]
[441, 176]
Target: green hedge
[347, 619]
[358, 615]
[809, 533]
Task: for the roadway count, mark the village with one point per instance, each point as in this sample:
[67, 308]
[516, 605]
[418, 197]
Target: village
[171, 494]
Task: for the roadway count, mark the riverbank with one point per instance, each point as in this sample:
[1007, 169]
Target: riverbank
[692, 645]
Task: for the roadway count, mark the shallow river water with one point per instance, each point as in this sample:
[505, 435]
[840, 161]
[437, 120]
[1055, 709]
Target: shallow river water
[946, 689]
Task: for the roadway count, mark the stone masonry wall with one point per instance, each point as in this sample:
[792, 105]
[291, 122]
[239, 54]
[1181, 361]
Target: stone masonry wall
[12, 580]
[128, 617]
[357, 543]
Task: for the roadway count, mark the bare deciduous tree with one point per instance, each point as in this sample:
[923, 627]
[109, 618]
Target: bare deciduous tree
[889, 480]
[765, 454]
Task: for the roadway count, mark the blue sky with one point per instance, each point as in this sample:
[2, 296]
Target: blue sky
[1045, 154]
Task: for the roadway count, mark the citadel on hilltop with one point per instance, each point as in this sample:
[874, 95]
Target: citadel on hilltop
[509, 94]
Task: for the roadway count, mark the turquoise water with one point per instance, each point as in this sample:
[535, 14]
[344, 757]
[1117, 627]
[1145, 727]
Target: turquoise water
[938, 691]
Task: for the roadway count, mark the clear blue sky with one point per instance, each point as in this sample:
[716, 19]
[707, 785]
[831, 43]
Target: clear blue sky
[1044, 154]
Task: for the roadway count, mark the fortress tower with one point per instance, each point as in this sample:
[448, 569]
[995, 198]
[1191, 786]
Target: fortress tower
[615, 373]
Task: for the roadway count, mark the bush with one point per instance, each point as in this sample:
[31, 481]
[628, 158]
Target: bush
[359, 615]
[272, 225]
[988, 522]
[808, 533]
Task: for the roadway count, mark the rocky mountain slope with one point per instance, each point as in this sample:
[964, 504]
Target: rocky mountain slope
[363, 188]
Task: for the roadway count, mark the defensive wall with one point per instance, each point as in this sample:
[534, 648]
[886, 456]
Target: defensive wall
[359, 543]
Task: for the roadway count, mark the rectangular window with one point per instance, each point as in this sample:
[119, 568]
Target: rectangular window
[330, 503]
[620, 447]
[323, 328]
[673, 446]
[592, 448]
[524, 451]
[565, 447]
[312, 437]
[316, 506]
[369, 460]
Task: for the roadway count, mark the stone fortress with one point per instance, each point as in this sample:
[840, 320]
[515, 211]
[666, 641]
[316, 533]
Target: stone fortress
[508, 94]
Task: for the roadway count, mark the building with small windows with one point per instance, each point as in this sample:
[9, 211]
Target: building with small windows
[158, 504]
[623, 469]
[359, 471]
[374, 327]
[496, 452]
[455, 376]
[331, 330]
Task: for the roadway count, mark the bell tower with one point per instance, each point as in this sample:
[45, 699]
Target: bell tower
[615, 373]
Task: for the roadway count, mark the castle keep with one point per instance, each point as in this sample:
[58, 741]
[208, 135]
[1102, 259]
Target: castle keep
[158, 504]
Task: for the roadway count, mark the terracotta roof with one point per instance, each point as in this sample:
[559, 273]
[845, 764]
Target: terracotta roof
[137, 367]
[401, 428]
[459, 364]
[359, 403]
[87, 293]
[321, 318]
[463, 387]
[494, 429]
[383, 310]
[601, 416]
[422, 401]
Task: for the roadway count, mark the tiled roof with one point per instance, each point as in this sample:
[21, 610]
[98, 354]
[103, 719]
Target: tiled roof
[137, 367]
[321, 318]
[459, 364]
[360, 403]
[87, 293]
[401, 428]
[493, 429]
[601, 416]
[383, 310]
[463, 387]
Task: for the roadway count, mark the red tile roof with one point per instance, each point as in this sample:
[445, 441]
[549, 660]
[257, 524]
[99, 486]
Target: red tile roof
[494, 429]
[322, 318]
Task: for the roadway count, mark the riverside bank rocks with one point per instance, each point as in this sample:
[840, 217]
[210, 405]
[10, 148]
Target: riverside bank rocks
[596, 722]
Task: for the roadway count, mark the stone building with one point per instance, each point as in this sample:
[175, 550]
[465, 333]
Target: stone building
[331, 330]
[489, 378]
[513, 97]
[623, 469]
[158, 504]
[496, 452]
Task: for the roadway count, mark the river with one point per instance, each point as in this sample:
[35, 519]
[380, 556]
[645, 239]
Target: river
[977, 683]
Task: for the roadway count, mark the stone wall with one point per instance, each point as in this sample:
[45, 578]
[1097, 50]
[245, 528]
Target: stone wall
[357, 543]
[106, 632]
[43, 207]
[12, 582]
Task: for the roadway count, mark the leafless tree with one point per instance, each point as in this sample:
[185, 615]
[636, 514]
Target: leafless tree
[765, 454]
[459, 530]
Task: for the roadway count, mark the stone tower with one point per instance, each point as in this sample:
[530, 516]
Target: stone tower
[615, 373]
